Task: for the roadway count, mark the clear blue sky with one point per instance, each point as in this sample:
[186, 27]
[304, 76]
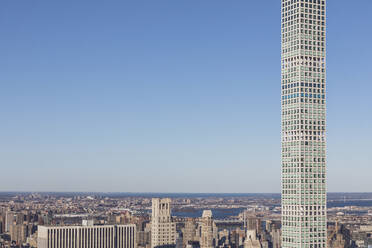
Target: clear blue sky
[168, 96]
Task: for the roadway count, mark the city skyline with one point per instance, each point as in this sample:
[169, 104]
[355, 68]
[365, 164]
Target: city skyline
[40, 220]
[133, 92]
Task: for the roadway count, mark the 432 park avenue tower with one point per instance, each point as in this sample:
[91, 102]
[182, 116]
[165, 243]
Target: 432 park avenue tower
[303, 65]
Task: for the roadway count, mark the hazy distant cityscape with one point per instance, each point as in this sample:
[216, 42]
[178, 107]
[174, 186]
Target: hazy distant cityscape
[232, 216]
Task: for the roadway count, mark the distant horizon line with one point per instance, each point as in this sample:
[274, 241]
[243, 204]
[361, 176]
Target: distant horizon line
[175, 193]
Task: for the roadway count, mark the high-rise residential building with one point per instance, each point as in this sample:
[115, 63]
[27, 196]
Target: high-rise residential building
[19, 233]
[108, 236]
[206, 239]
[252, 222]
[9, 220]
[303, 66]
[2, 229]
[189, 232]
[163, 229]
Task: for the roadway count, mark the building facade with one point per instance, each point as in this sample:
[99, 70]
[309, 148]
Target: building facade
[207, 240]
[189, 232]
[303, 66]
[19, 233]
[108, 236]
[163, 229]
[251, 240]
[9, 220]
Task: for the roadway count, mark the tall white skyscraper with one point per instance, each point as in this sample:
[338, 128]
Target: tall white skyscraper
[163, 229]
[304, 221]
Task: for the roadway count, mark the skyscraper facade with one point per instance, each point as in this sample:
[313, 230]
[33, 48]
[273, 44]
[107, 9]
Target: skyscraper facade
[189, 231]
[206, 240]
[163, 229]
[303, 66]
[9, 220]
[108, 236]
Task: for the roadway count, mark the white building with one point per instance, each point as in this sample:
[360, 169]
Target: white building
[251, 240]
[108, 236]
[304, 221]
[207, 240]
[163, 229]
